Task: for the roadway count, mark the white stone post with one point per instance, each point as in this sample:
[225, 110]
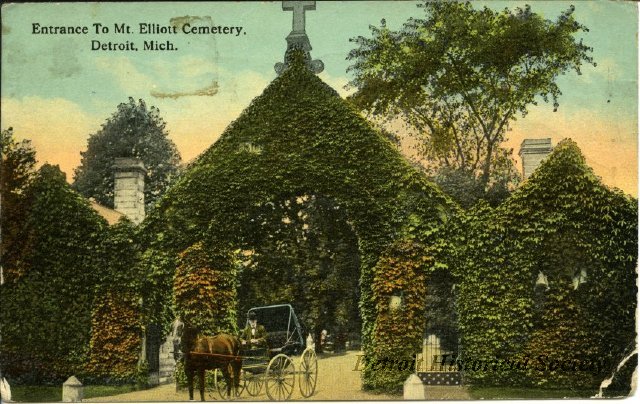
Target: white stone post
[72, 390]
[5, 390]
[413, 388]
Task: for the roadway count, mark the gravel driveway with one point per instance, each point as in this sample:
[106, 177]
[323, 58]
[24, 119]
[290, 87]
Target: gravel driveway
[336, 381]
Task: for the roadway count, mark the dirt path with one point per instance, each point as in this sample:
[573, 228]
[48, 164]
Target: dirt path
[336, 381]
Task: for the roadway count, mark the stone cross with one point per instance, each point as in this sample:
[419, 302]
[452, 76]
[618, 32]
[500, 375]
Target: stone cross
[298, 8]
[298, 39]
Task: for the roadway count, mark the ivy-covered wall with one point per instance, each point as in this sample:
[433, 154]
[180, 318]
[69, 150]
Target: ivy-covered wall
[116, 337]
[562, 224]
[205, 289]
[400, 275]
[45, 312]
[116, 317]
[299, 139]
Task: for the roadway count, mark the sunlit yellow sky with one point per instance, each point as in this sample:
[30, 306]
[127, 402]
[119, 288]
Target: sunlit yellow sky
[56, 91]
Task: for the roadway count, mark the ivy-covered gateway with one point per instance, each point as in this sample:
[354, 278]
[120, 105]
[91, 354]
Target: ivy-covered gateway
[548, 276]
[297, 139]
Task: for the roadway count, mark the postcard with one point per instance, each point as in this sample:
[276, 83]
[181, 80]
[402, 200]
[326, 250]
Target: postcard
[301, 200]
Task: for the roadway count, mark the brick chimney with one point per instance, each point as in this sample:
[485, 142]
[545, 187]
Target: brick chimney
[129, 188]
[532, 152]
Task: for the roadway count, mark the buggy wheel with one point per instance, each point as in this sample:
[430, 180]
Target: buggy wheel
[241, 383]
[280, 378]
[252, 383]
[308, 374]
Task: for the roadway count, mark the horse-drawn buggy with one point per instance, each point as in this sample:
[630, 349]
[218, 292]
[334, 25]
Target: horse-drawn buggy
[275, 366]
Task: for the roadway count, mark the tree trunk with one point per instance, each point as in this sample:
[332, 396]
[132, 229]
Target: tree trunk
[484, 179]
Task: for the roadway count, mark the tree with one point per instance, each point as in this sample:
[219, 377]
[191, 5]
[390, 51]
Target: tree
[16, 172]
[464, 187]
[460, 76]
[132, 131]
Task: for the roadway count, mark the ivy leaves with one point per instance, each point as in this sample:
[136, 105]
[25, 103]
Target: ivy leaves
[60, 263]
[204, 289]
[564, 224]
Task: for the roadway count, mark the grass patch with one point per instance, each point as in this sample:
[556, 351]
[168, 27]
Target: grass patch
[102, 391]
[38, 394]
[514, 393]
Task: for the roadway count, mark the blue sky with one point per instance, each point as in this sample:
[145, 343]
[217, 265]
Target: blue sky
[57, 91]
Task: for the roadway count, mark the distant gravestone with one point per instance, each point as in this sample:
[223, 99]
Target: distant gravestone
[72, 390]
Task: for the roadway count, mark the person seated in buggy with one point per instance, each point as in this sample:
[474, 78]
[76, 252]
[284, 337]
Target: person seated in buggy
[254, 335]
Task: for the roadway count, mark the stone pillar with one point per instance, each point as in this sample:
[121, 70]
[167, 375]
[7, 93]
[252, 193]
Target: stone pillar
[129, 188]
[532, 152]
[72, 390]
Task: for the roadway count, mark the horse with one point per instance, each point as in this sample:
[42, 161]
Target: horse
[207, 353]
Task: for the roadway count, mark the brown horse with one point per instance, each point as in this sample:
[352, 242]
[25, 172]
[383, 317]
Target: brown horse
[208, 353]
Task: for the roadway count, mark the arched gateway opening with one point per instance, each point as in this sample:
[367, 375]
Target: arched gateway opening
[300, 148]
[304, 252]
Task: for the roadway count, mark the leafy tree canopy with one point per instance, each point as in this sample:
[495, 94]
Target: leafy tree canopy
[466, 188]
[460, 75]
[134, 130]
[16, 172]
